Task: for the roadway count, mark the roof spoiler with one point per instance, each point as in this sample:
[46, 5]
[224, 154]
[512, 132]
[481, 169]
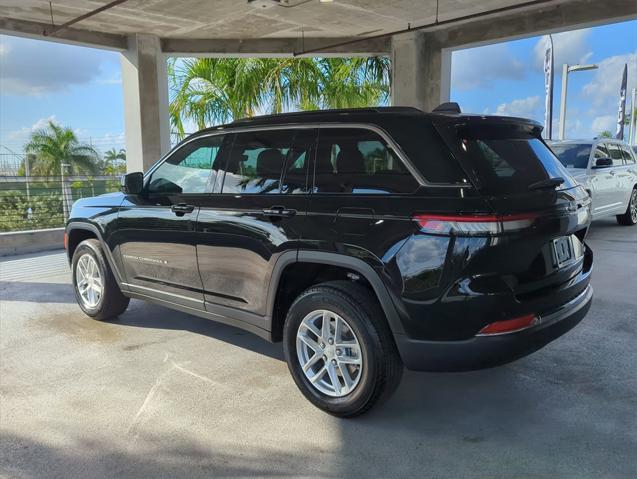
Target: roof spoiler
[448, 107]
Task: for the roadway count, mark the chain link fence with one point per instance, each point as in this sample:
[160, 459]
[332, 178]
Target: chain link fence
[37, 203]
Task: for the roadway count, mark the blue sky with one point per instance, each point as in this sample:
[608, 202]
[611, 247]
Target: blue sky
[81, 87]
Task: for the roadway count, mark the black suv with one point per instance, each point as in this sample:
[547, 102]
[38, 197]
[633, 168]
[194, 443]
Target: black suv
[365, 240]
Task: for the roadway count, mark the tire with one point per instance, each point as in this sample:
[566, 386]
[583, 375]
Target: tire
[629, 218]
[363, 322]
[111, 302]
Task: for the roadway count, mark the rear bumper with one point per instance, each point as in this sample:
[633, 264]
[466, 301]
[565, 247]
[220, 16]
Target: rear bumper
[487, 351]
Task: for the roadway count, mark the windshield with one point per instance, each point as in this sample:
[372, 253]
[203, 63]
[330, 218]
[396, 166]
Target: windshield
[509, 159]
[573, 155]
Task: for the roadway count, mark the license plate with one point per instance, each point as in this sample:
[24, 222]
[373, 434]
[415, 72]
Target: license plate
[562, 251]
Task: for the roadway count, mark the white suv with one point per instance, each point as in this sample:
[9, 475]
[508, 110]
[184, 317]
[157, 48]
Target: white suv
[608, 170]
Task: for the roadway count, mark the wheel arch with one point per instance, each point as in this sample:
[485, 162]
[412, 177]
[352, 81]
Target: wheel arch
[76, 232]
[327, 262]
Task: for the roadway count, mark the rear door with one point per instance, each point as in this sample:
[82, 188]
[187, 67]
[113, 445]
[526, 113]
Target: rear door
[156, 229]
[255, 214]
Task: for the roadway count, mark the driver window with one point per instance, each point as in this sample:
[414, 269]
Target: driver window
[191, 169]
[616, 154]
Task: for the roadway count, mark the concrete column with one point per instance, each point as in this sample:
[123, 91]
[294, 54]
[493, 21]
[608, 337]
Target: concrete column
[145, 83]
[421, 71]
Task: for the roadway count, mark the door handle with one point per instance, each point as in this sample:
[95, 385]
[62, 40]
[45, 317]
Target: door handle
[182, 208]
[612, 172]
[279, 211]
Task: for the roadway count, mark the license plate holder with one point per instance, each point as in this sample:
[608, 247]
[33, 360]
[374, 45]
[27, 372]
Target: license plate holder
[562, 251]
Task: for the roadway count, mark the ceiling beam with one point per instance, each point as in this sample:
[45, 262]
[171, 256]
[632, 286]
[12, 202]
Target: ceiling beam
[558, 17]
[23, 28]
[271, 47]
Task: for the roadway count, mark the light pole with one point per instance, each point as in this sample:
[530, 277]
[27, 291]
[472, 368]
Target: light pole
[566, 69]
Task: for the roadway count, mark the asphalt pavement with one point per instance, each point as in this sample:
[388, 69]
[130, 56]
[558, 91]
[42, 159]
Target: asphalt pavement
[163, 394]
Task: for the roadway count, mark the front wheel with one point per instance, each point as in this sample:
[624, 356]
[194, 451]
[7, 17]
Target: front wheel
[96, 289]
[339, 348]
[629, 218]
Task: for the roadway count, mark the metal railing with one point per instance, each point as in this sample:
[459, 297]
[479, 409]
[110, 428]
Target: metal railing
[38, 202]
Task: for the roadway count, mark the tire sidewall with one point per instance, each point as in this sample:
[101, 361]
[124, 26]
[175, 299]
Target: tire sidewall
[88, 248]
[325, 299]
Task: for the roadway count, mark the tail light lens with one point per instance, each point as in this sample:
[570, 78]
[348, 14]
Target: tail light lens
[474, 224]
[509, 325]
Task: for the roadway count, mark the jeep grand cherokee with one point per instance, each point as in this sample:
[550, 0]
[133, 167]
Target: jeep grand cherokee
[364, 239]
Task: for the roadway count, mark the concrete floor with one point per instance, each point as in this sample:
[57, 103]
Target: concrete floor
[163, 394]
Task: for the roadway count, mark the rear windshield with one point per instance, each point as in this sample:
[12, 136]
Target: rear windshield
[573, 155]
[507, 159]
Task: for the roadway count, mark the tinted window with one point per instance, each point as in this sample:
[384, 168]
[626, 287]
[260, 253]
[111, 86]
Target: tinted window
[601, 152]
[424, 146]
[616, 154]
[189, 169]
[256, 162]
[574, 155]
[297, 162]
[359, 161]
[507, 160]
[628, 157]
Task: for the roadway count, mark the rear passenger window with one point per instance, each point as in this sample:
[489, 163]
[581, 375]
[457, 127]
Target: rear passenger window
[616, 154]
[297, 163]
[359, 161]
[256, 162]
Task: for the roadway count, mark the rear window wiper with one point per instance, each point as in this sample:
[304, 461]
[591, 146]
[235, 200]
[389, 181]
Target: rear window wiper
[547, 184]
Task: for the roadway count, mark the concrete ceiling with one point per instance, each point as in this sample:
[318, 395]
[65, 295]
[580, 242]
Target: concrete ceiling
[236, 19]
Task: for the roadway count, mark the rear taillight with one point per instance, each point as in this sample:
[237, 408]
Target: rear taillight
[509, 325]
[474, 224]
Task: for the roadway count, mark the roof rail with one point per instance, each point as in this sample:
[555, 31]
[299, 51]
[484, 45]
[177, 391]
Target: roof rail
[448, 107]
[309, 113]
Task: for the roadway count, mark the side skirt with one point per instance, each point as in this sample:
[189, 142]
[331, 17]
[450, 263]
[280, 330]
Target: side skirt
[202, 314]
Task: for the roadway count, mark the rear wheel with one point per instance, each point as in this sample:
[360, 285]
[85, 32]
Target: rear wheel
[96, 289]
[339, 348]
[630, 217]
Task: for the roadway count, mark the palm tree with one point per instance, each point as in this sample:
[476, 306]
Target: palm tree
[207, 91]
[55, 145]
[114, 162]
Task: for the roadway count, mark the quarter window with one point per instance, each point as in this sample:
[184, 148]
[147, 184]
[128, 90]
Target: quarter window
[189, 169]
[359, 161]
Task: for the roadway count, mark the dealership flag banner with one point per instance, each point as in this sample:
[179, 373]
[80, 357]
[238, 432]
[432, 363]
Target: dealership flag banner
[621, 113]
[548, 85]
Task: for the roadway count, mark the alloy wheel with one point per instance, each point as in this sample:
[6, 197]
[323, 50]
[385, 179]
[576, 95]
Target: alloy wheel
[88, 281]
[329, 353]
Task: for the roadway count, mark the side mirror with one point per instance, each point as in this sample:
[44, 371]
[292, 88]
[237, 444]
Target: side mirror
[603, 162]
[132, 183]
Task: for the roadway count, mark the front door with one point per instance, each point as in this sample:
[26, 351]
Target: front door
[255, 215]
[156, 229]
[602, 183]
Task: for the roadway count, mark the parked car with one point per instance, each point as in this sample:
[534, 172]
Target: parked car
[365, 240]
[608, 170]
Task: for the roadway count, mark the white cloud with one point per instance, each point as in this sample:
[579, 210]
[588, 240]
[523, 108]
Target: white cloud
[523, 107]
[603, 123]
[33, 67]
[603, 90]
[568, 47]
[25, 132]
[479, 67]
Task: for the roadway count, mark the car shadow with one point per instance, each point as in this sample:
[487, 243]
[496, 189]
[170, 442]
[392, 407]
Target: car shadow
[147, 315]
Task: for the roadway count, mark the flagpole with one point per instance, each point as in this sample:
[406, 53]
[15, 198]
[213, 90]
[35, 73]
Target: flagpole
[621, 111]
[633, 118]
[548, 85]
